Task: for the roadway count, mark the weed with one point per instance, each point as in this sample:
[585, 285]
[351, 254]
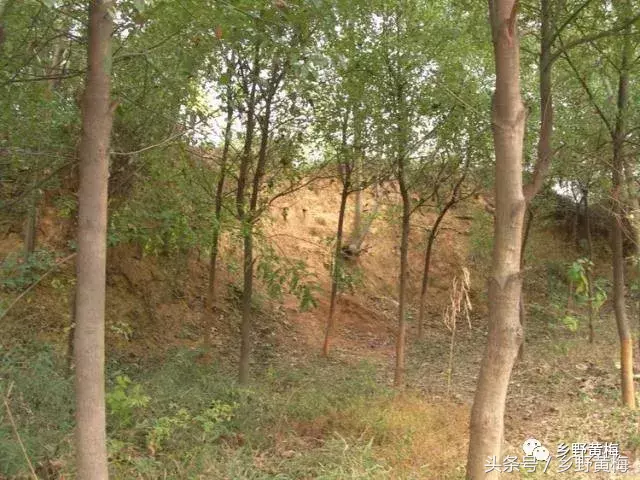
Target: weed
[17, 273]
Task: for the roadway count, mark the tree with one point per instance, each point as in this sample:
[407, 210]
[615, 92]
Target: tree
[408, 115]
[619, 134]
[617, 128]
[345, 168]
[273, 50]
[552, 27]
[97, 112]
[218, 201]
[455, 196]
[505, 331]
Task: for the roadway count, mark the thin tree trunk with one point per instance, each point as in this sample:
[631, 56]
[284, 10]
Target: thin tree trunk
[505, 331]
[522, 311]
[403, 129]
[425, 279]
[356, 230]
[246, 327]
[634, 219]
[587, 226]
[401, 341]
[337, 262]
[619, 133]
[544, 147]
[357, 214]
[432, 236]
[247, 294]
[31, 226]
[354, 247]
[624, 332]
[427, 265]
[246, 221]
[345, 176]
[215, 239]
[91, 450]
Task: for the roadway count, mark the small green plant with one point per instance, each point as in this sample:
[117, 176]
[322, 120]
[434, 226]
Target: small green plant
[216, 416]
[122, 329]
[577, 274]
[125, 400]
[16, 273]
[164, 427]
[67, 205]
[211, 423]
[571, 322]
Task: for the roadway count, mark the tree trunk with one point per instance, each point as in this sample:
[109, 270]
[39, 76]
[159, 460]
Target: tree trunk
[522, 311]
[587, 226]
[91, 450]
[427, 264]
[356, 237]
[215, 239]
[619, 134]
[345, 170]
[634, 219]
[425, 280]
[505, 331]
[337, 262]
[624, 332]
[544, 147]
[354, 247]
[398, 380]
[31, 225]
[403, 129]
[432, 236]
[247, 294]
[357, 215]
[246, 223]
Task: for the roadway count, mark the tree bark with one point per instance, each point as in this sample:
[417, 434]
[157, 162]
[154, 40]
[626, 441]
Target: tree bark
[505, 331]
[358, 230]
[252, 215]
[432, 236]
[345, 176]
[91, 450]
[403, 129]
[337, 261]
[425, 276]
[247, 294]
[633, 217]
[31, 225]
[522, 311]
[427, 263]
[215, 238]
[401, 341]
[544, 147]
[619, 134]
[587, 226]
[246, 223]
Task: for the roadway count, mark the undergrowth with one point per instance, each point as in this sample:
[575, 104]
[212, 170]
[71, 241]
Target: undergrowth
[189, 419]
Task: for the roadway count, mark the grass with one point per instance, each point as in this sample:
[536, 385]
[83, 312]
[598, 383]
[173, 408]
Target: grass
[189, 419]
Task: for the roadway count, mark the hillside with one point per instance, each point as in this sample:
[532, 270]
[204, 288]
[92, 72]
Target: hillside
[337, 416]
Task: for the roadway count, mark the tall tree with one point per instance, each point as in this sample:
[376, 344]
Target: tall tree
[97, 113]
[222, 174]
[619, 134]
[616, 124]
[345, 168]
[505, 331]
